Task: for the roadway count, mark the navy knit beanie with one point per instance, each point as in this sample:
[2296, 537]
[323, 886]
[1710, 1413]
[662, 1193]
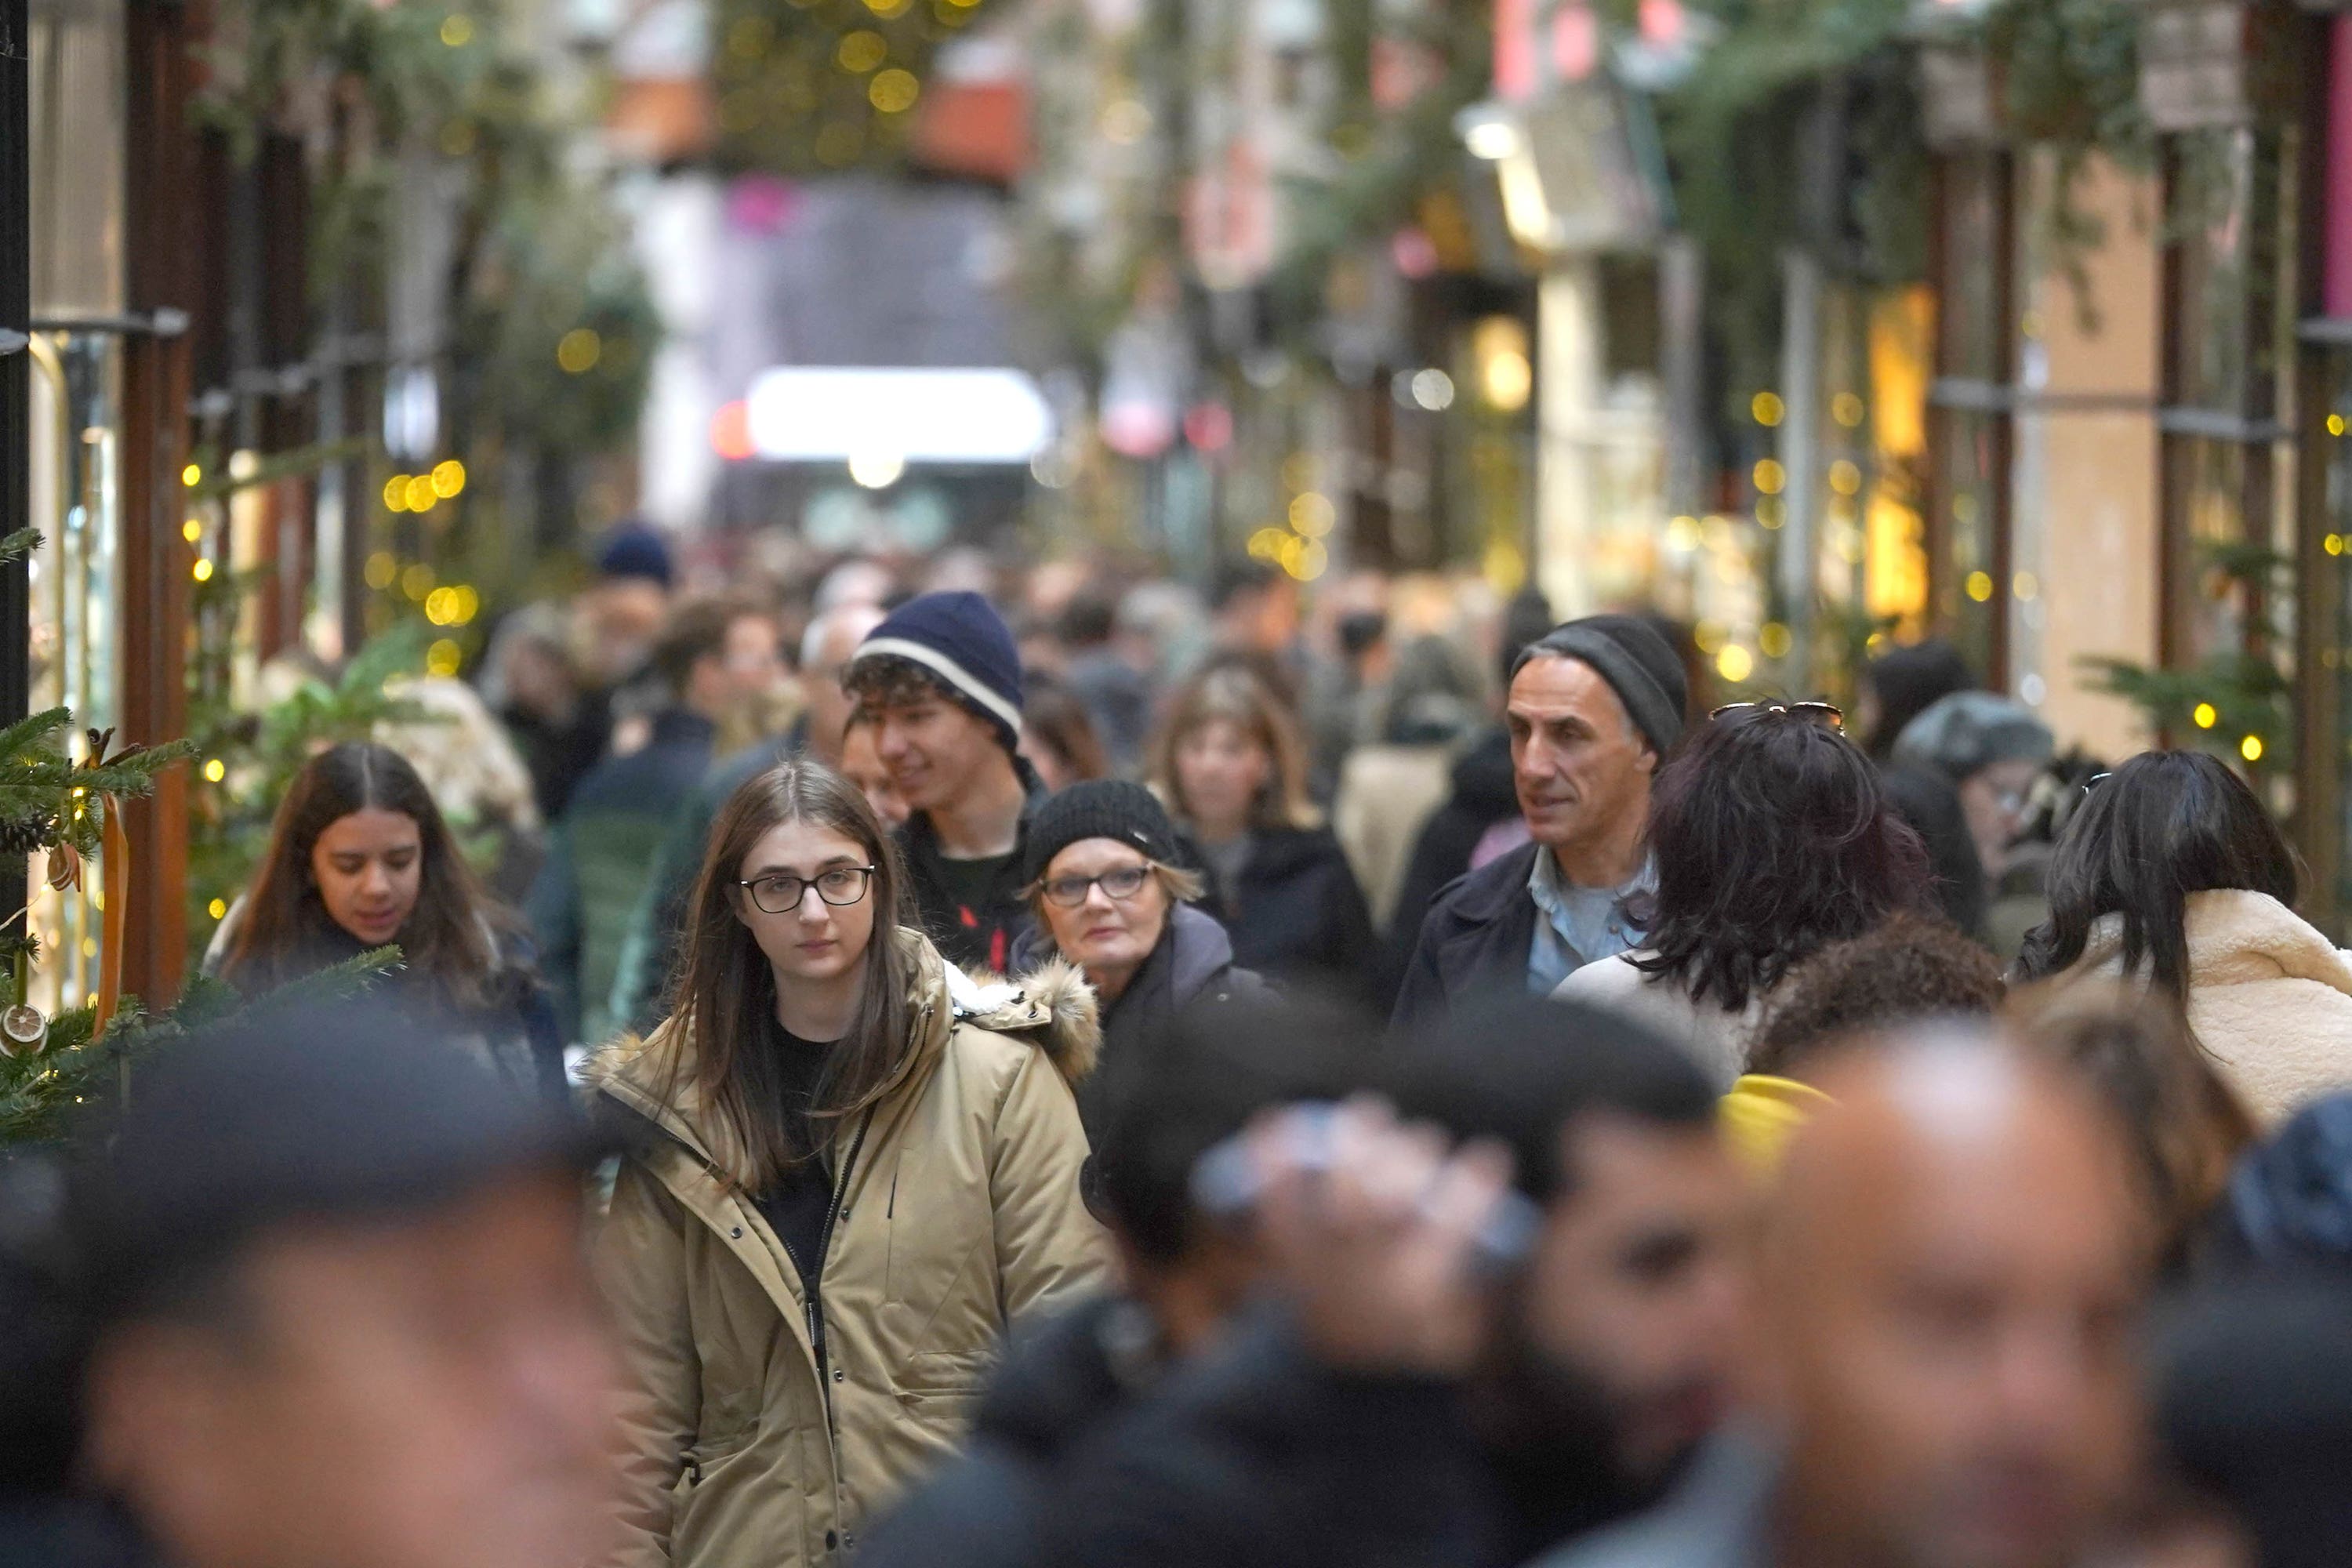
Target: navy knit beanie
[960, 641]
[634, 549]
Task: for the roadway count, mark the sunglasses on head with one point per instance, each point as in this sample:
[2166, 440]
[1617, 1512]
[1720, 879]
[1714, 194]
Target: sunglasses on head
[1827, 713]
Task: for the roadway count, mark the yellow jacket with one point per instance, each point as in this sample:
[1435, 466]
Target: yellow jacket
[960, 1211]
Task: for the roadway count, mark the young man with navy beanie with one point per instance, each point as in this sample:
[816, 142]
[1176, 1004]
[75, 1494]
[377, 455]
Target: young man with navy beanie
[941, 679]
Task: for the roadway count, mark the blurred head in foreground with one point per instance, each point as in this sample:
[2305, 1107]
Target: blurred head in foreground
[1615, 1350]
[341, 1309]
[1948, 1277]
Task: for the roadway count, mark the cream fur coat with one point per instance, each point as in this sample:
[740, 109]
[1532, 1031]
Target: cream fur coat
[2270, 998]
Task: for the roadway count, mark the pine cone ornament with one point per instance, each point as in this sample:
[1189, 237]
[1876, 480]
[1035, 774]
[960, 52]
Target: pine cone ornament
[22, 834]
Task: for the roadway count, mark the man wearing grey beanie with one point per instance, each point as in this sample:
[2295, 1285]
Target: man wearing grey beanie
[1593, 708]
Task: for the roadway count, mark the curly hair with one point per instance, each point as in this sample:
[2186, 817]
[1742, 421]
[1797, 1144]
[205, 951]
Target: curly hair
[1911, 968]
[1772, 838]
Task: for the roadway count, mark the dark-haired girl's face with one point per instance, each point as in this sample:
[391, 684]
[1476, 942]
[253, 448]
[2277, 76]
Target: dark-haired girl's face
[369, 867]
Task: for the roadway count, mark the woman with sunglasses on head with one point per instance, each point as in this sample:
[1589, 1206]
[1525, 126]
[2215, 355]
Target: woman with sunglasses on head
[2171, 874]
[1772, 838]
[852, 1167]
[1109, 898]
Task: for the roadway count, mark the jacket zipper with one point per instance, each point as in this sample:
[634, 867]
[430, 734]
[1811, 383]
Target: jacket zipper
[813, 1305]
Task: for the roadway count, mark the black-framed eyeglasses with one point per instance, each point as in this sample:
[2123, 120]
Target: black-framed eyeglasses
[1118, 886]
[1827, 713]
[782, 894]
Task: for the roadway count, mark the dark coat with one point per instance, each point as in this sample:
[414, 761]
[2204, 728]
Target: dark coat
[1483, 796]
[581, 906]
[1930, 803]
[1296, 910]
[1060, 1382]
[1474, 941]
[1192, 961]
[1255, 1456]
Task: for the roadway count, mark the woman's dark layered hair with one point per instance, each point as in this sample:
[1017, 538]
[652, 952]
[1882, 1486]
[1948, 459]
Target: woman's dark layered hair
[2160, 827]
[1771, 838]
[727, 989]
[450, 941]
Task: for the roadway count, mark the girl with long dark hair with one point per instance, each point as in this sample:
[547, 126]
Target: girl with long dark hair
[854, 1166]
[360, 857]
[2173, 875]
[1772, 838]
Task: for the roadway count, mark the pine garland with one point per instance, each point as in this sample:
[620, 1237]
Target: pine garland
[43, 1094]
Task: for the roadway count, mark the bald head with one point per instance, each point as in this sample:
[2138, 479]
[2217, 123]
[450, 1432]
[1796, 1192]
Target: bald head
[825, 647]
[1948, 1280]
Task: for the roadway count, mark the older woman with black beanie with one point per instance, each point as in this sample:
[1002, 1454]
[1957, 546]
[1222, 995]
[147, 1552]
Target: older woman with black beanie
[1106, 881]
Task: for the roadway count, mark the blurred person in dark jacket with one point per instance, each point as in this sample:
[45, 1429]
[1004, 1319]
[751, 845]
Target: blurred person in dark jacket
[716, 658]
[1403, 1404]
[1229, 762]
[1897, 688]
[1116, 695]
[342, 1314]
[648, 955]
[1207, 1074]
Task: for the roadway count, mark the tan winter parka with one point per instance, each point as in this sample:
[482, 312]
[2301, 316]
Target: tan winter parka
[957, 1210]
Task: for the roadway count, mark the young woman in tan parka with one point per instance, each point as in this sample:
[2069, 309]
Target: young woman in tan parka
[829, 1100]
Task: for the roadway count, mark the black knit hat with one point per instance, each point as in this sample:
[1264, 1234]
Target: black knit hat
[1639, 665]
[1098, 808]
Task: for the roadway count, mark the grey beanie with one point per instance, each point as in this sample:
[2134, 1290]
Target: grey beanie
[1639, 665]
[1968, 732]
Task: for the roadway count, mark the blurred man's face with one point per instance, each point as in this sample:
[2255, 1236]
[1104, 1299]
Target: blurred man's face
[1954, 1346]
[839, 631]
[423, 1392]
[619, 618]
[936, 750]
[1581, 769]
[1636, 1295]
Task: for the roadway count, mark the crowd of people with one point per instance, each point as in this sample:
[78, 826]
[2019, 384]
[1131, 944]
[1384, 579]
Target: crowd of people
[1051, 1070]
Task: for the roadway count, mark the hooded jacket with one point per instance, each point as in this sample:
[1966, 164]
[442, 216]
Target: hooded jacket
[957, 1210]
[2270, 998]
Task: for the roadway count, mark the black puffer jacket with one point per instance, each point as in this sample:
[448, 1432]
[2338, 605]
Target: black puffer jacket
[1483, 796]
[1296, 912]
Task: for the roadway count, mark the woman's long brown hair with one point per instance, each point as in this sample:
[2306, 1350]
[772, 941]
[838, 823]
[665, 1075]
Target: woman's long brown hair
[1230, 689]
[284, 931]
[727, 990]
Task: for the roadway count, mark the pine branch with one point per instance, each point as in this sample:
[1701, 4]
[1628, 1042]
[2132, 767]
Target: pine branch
[40, 734]
[16, 546]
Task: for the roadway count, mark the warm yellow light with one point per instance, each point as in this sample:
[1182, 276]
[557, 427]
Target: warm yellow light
[448, 478]
[1847, 409]
[578, 351]
[1683, 533]
[894, 91]
[203, 570]
[1305, 559]
[1770, 478]
[192, 530]
[441, 606]
[418, 582]
[2027, 586]
[468, 606]
[1767, 408]
[2336, 425]
[1505, 378]
[1771, 511]
[1709, 636]
[876, 470]
[395, 493]
[2250, 748]
[420, 494]
[215, 770]
[861, 51]
[1312, 514]
[192, 476]
[1979, 586]
[382, 570]
[2205, 715]
[1735, 663]
[443, 658]
[1845, 477]
[1265, 544]
[1775, 639]
[2332, 544]
[217, 909]
[457, 30]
